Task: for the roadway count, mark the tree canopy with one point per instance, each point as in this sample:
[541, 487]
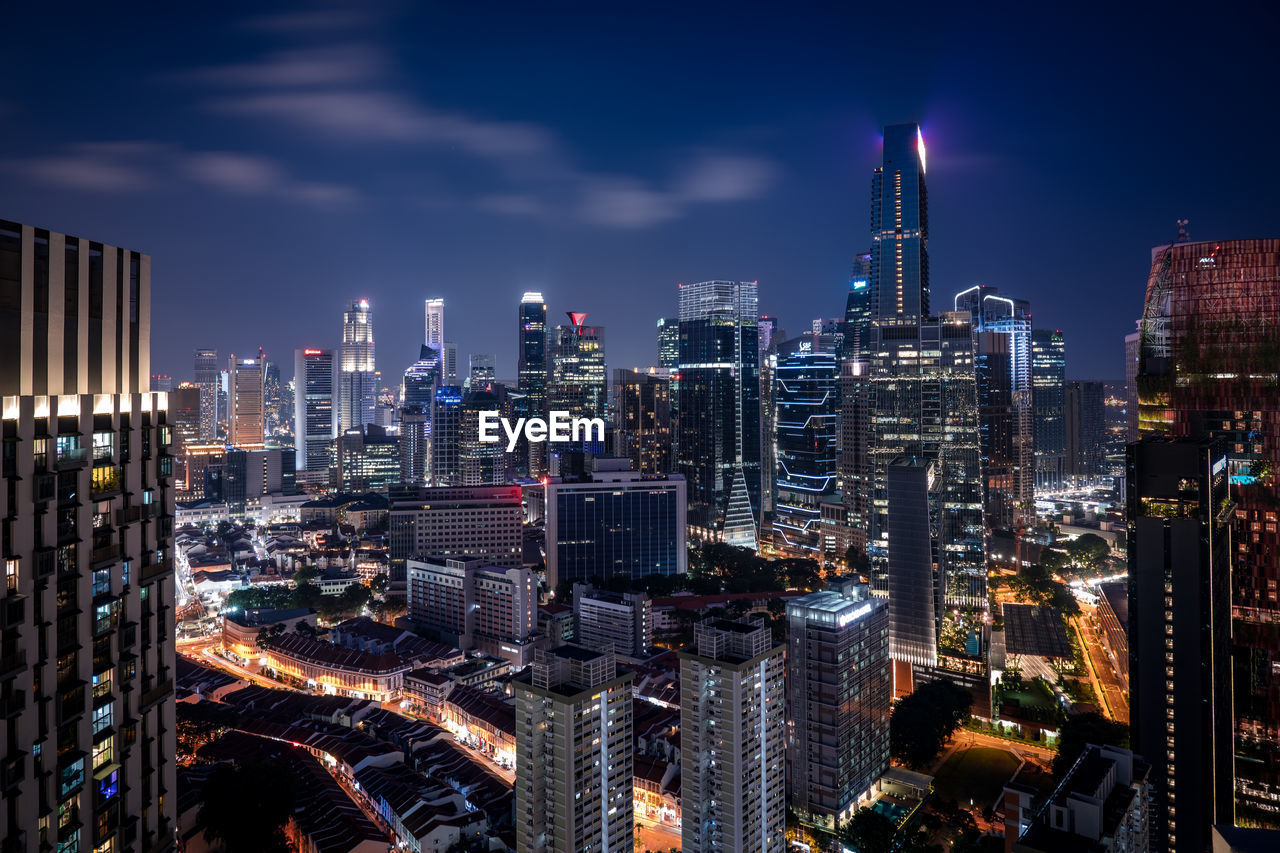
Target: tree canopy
[922, 723]
[245, 809]
[1079, 731]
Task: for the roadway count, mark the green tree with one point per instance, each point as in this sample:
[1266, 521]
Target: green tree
[922, 722]
[1079, 731]
[868, 831]
[245, 809]
[1088, 551]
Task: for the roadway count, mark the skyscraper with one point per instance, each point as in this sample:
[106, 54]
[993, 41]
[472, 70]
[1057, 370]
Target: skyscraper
[808, 412]
[719, 409]
[1006, 415]
[207, 378]
[87, 641]
[273, 416]
[914, 599]
[246, 427]
[733, 727]
[357, 391]
[450, 363]
[642, 416]
[421, 378]
[577, 381]
[668, 342]
[482, 463]
[1207, 360]
[838, 694]
[531, 367]
[433, 335]
[570, 701]
[1180, 633]
[446, 436]
[900, 227]
[615, 523]
[1086, 429]
[1049, 398]
[315, 415]
[1132, 342]
[483, 371]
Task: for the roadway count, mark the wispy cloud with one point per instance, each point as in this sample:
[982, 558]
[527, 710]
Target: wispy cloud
[350, 94]
[306, 23]
[141, 166]
[312, 66]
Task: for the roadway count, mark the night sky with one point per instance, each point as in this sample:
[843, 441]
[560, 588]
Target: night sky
[278, 163]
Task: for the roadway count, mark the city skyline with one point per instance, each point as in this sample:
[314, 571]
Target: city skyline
[391, 177]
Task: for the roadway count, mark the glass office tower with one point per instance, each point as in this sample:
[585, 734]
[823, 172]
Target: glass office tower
[719, 409]
[807, 399]
[357, 391]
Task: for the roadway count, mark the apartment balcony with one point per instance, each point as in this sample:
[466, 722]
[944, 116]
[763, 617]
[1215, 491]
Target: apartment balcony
[13, 705]
[72, 458]
[45, 562]
[12, 665]
[104, 556]
[154, 695]
[13, 611]
[156, 570]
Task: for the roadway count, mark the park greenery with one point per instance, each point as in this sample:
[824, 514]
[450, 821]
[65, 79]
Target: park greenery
[868, 831]
[1079, 731]
[921, 723]
[350, 602]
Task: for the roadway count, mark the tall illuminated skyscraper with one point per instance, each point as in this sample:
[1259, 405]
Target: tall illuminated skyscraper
[421, 379]
[315, 415]
[668, 342]
[1006, 416]
[576, 379]
[87, 640]
[900, 227]
[1207, 368]
[209, 381]
[808, 412]
[531, 367]
[357, 392]
[434, 328]
[1049, 398]
[246, 384]
[719, 409]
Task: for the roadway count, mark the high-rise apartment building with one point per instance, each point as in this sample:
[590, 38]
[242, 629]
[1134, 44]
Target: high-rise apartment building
[807, 400]
[1210, 325]
[1179, 542]
[315, 416]
[246, 426]
[1006, 412]
[1049, 399]
[473, 606]
[86, 643]
[900, 227]
[1086, 428]
[733, 734]
[615, 523]
[415, 445]
[577, 381]
[433, 328]
[642, 418]
[718, 435]
[618, 622]
[208, 379]
[357, 382]
[574, 749]
[769, 335]
[1102, 805]
[838, 693]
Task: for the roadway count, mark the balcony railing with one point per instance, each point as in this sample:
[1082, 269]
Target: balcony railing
[104, 555]
[72, 457]
[156, 570]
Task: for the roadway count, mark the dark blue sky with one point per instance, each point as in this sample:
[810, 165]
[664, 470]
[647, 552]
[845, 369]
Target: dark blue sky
[279, 163]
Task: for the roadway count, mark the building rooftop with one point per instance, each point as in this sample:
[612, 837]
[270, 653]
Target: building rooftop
[1035, 629]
